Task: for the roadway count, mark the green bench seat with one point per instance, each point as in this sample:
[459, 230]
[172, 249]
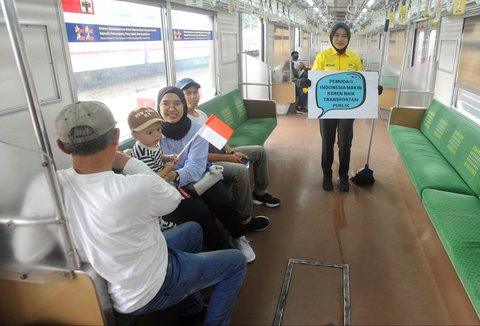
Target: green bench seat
[425, 164]
[252, 120]
[440, 149]
[456, 219]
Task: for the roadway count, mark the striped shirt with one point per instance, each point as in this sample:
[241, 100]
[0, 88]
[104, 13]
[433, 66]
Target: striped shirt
[151, 156]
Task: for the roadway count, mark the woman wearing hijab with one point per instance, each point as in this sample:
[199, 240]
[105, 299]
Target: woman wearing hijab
[177, 131]
[337, 58]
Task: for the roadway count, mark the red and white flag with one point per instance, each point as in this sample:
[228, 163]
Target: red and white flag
[215, 131]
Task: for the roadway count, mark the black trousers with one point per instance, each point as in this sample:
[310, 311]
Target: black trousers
[328, 130]
[199, 209]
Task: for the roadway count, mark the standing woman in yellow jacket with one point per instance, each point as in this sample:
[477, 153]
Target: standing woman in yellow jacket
[337, 58]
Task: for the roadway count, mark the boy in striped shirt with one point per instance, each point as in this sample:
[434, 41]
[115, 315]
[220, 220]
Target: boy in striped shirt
[144, 123]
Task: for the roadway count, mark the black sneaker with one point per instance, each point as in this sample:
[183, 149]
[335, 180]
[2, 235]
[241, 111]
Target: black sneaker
[300, 110]
[327, 184]
[265, 199]
[166, 225]
[258, 223]
[343, 185]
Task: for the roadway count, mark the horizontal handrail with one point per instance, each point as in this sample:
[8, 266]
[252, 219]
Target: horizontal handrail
[13, 221]
[416, 91]
[254, 84]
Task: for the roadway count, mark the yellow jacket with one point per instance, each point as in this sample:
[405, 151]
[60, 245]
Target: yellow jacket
[329, 59]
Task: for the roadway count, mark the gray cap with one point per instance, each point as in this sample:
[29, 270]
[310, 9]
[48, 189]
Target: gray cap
[185, 82]
[94, 118]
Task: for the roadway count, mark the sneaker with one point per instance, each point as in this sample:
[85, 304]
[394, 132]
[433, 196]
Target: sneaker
[165, 225]
[258, 223]
[300, 110]
[266, 199]
[343, 185]
[327, 184]
[243, 244]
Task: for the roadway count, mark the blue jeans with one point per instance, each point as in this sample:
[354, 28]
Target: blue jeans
[190, 270]
[302, 97]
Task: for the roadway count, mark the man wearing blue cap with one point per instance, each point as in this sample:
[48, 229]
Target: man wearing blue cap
[236, 173]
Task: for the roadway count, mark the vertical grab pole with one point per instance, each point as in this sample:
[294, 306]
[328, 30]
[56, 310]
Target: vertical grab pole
[26, 77]
[380, 71]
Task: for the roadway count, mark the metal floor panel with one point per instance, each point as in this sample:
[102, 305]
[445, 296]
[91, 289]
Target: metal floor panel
[321, 287]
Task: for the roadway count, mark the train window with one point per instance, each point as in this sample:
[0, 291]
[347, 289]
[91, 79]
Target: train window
[431, 44]
[298, 37]
[280, 55]
[306, 43]
[117, 55]
[468, 67]
[194, 50]
[419, 50]
[468, 97]
[252, 36]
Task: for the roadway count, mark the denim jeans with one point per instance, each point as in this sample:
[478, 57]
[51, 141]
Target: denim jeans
[190, 270]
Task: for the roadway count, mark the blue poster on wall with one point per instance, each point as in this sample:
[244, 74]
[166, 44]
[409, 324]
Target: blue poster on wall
[107, 33]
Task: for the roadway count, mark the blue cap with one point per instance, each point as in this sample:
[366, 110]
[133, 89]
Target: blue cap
[185, 82]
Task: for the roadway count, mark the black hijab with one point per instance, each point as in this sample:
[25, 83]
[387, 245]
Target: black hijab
[179, 129]
[334, 30]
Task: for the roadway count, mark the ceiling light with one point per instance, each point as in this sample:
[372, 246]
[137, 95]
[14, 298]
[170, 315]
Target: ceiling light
[310, 2]
[370, 3]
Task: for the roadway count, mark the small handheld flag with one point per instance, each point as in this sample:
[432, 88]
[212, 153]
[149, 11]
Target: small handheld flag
[215, 131]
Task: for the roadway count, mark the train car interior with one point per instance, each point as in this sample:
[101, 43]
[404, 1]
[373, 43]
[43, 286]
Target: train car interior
[401, 250]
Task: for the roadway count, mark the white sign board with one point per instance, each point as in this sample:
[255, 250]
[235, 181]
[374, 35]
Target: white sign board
[343, 94]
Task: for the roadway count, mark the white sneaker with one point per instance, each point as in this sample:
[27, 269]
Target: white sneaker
[243, 244]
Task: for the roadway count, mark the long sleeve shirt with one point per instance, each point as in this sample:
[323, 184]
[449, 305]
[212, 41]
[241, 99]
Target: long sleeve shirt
[193, 161]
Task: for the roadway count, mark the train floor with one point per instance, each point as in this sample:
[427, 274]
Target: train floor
[398, 270]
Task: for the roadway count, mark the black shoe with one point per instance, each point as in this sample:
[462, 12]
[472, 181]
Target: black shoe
[258, 223]
[300, 110]
[343, 185]
[327, 184]
[266, 199]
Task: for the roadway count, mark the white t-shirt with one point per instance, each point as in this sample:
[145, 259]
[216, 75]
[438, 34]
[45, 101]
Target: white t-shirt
[114, 221]
[202, 117]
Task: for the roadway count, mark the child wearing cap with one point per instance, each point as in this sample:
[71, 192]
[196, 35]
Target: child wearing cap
[144, 123]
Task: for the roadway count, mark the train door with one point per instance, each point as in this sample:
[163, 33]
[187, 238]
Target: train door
[448, 54]
[391, 67]
[302, 45]
[255, 78]
[229, 51]
[372, 55]
[419, 65]
[279, 46]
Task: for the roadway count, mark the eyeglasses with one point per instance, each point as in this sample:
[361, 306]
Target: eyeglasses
[168, 105]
